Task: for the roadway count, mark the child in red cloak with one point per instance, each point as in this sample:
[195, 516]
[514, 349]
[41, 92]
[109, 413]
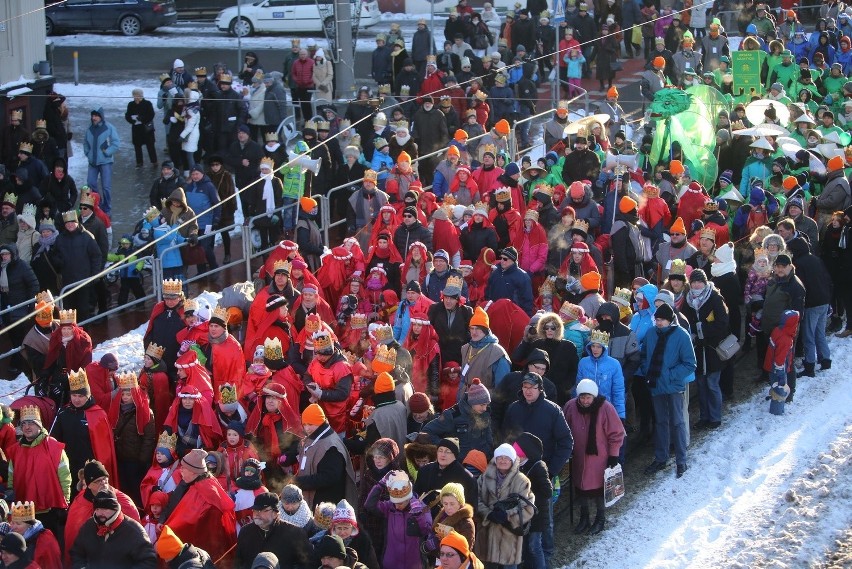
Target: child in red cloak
[190, 372]
[313, 324]
[479, 277]
[579, 262]
[505, 215]
[356, 286]
[386, 254]
[655, 211]
[547, 298]
[249, 485]
[427, 202]
[274, 323]
[70, 344]
[422, 343]
[532, 246]
[191, 418]
[388, 306]
[236, 450]
[445, 235]
[300, 275]
[197, 327]
[351, 244]
[450, 377]
[690, 206]
[386, 222]
[464, 188]
[256, 377]
[152, 522]
[355, 334]
[377, 283]
[276, 428]
[102, 379]
[400, 178]
[155, 382]
[286, 250]
[335, 271]
[415, 264]
[164, 473]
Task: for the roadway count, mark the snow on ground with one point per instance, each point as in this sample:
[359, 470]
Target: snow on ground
[763, 491]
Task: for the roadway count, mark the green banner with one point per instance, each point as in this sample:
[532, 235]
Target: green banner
[746, 69]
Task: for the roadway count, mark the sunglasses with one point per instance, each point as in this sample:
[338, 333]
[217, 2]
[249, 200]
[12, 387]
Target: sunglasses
[408, 215]
[505, 259]
[85, 207]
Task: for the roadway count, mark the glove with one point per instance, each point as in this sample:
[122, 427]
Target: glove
[611, 462]
[275, 219]
[172, 120]
[193, 239]
[498, 516]
[184, 346]
[173, 91]
[384, 481]
[412, 528]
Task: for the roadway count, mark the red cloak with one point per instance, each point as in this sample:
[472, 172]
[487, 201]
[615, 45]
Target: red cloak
[690, 206]
[36, 476]
[206, 500]
[103, 446]
[82, 509]
[423, 350]
[236, 456]
[203, 417]
[445, 236]
[78, 352]
[157, 383]
[327, 378]
[332, 276]
[197, 334]
[513, 221]
[508, 322]
[409, 258]
[151, 480]
[323, 310]
[264, 426]
[47, 552]
[100, 383]
[143, 409]
[283, 251]
[227, 363]
[259, 321]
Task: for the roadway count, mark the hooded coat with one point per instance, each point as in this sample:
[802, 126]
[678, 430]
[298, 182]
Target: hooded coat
[80, 254]
[678, 366]
[23, 284]
[606, 372]
[101, 141]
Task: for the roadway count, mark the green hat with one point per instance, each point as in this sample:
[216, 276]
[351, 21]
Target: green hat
[725, 59]
[786, 53]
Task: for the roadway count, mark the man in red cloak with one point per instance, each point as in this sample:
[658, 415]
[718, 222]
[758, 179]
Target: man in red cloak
[329, 380]
[101, 376]
[81, 422]
[225, 359]
[70, 347]
[38, 469]
[200, 497]
[309, 302]
[94, 478]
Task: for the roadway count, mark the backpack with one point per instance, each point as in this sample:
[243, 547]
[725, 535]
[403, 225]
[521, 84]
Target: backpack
[757, 216]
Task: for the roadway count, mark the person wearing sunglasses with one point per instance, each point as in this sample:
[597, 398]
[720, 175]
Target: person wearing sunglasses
[510, 281]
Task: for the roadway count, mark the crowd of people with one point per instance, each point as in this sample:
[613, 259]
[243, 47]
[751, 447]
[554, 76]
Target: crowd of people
[488, 331]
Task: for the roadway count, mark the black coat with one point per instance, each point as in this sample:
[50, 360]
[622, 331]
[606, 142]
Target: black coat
[142, 128]
[545, 420]
[536, 470]
[476, 238]
[813, 274]
[191, 557]
[98, 230]
[60, 195]
[507, 392]
[288, 542]
[251, 151]
[563, 364]
[162, 188]
[81, 256]
[782, 294]
[127, 547]
[431, 478]
[713, 331]
[47, 266]
[451, 337]
[229, 111]
[23, 285]
[405, 235]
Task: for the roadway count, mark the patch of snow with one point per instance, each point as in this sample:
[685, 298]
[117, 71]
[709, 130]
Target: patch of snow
[762, 491]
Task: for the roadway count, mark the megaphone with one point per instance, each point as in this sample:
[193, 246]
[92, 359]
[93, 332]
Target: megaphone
[626, 160]
[309, 164]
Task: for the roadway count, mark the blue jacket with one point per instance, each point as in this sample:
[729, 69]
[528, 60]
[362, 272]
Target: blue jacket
[754, 168]
[101, 142]
[171, 259]
[513, 283]
[643, 320]
[678, 367]
[544, 419]
[605, 371]
[402, 321]
[199, 197]
[381, 160]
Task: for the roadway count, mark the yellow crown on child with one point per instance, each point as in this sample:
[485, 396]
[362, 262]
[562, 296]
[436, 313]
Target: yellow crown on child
[26, 147]
[155, 351]
[227, 393]
[760, 252]
[190, 305]
[599, 337]
[68, 316]
[23, 512]
[383, 334]
[167, 441]
[358, 321]
[548, 287]
[173, 286]
[78, 380]
[127, 380]
[313, 323]
[386, 356]
[272, 349]
[678, 267]
[29, 413]
[622, 296]
[267, 162]
[503, 194]
[581, 225]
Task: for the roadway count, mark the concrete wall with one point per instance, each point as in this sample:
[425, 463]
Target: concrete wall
[21, 39]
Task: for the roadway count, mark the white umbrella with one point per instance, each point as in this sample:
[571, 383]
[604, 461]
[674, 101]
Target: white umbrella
[816, 164]
[754, 111]
[765, 129]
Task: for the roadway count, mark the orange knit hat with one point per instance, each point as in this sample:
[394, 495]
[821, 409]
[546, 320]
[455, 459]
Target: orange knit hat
[659, 62]
[168, 545]
[308, 204]
[676, 167]
[835, 164]
[476, 458]
[313, 415]
[591, 280]
[458, 542]
[678, 226]
[403, 157]
[790, 182]
[384, 383]
[627, 204]
[502, 127]
[460, 135]
[612, 93]
[453, 151]
[480, 318]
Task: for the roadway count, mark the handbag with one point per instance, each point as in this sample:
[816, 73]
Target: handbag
[193, 255]
[728, 347]
[516, 502]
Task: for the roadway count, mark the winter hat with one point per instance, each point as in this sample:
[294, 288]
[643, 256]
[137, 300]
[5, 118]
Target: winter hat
[419, 403]
[678, 226]
[726, 176]
[477, 394]
[510, 252]
[836, 163]
[413, 286]
[538, 356]
[790, 182]
[577, 191]
[455, 490]
[451, 444]
[783, 259]
[698, 275]
[627, 204]
[265, 500]
[476, 459]
[458, 542]
[344, 513]
[665, 312]
[15, 544]
[384, 383]
[724, 254]
[313, 415]
[178, 64]
[244, 128]
[168, 545]
[291, 494]
[331, 546]
[92, 470]
[195, 459]
[480, 318]
[399, 487]
[106, 500]
[502, 127]
[588, 387]
[506, 450]
[796, 202]
[591, 281]
[666, 296]
[534, 379]
[109, 361]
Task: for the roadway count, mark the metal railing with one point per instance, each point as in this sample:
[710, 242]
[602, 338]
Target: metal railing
[27, 303]
[513, 139]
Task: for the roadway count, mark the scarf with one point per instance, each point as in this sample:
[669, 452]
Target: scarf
[111, 525]
[268, 194]
[300, 518]
[4, 276]
[656, 365]
[221, 339]
[47, 242]
[697, 298]
[592, 410]
[269, 420]
[723, 268]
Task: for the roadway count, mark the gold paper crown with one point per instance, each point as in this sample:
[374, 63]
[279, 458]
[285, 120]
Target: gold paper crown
[651, 190]
[173, 286]
[450, 200]
[78, 380]
[386, 355]
[599, 337]
[282, 265]
[29, 209]
[87, 198]
[621, 296]
[350, 357]
[190, 305]
[44, 301]
[312, 125]
[200, 71]
[10, 198]
[678, 267]
[480, 206]
[46, 222]
[707, 233]
[712, 205]
[454, 281]
[192, 85]
[23, 512]
[384, 89]
[323, 125]
[583, 132]
[581, 225]
[30, 413]
[167, 441]
[68, 316]
[358, 321]
[69, 216]
[503, 194]
[405, 90]
[126, 380]
[272, 349]
[759, 252]
[431, 59]
[544, 188]
[313, 323]
[26, 147]
[548, 287]
[17, 115]
[323, 514]
[383, 334]
[155, 351]
[227, 393]
[220, 313]
[225, 78]
[271, 137]
[322, 341]
[489, 149]
[267, 162]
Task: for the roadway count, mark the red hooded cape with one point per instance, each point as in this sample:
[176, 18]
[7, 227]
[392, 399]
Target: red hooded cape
[206, 500]
[78, 352]
[263, 426]
[203, 416]
[508, 322]
[445, 236]
[228, 364]
[409, 259]
[423, 350]
[161, 388]
[100, 384]
[143, 409]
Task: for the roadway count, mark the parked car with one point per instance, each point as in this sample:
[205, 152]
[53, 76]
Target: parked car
[130, 17]
[287, 16]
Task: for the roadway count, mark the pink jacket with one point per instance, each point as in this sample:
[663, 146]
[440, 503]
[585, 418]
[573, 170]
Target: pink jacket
[587, 470]
[532, 256]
